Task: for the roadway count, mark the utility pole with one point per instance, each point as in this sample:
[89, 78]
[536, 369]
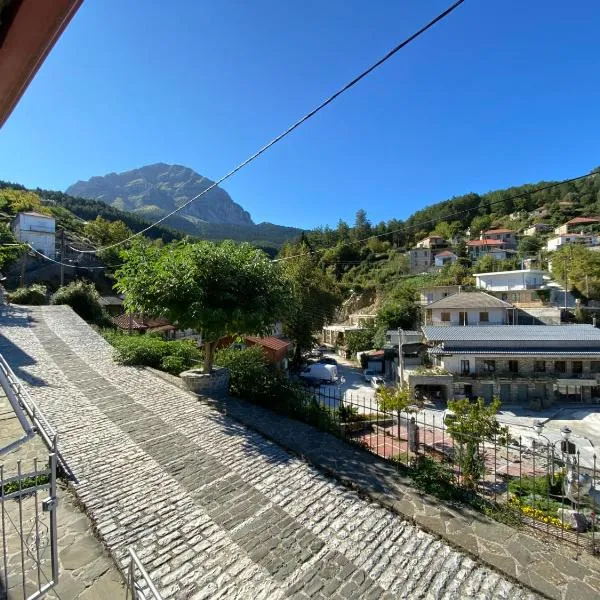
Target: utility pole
[401, 355]
[23, 264]
[566, 259]
[62, 257]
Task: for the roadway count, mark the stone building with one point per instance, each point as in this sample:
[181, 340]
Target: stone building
[520, 364]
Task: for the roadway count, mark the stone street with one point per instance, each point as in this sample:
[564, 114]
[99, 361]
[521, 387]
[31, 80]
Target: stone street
[214, 509]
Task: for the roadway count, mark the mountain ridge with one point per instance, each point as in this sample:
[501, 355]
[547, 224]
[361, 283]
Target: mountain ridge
[160, 188]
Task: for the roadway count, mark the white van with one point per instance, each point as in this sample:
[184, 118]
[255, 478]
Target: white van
[320, 373]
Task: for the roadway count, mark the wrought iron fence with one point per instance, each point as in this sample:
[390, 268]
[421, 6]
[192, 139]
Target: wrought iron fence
[28, 522]
[555, 489]
[139, 587]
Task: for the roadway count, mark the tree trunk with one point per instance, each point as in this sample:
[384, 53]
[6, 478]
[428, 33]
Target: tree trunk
[209, 348]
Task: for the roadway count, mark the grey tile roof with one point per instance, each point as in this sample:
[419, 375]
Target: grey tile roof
[517, 351]
[470, 300]
[514, 333]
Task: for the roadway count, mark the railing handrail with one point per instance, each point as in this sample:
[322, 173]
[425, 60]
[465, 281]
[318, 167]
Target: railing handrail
[39, 421]
[135, 562]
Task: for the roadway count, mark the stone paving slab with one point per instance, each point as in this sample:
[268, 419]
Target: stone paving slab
[86, 571]
[216, 510]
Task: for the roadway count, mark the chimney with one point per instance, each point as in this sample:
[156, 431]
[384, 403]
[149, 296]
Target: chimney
[594, 321]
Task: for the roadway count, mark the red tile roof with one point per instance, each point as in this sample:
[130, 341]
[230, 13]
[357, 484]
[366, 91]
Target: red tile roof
[578, 220]
[139, 324]
[269, 342]
[485, 242]
[493, 231]
[446, 253]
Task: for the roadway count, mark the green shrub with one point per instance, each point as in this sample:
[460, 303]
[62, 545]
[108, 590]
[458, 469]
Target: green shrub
[153, 351]
[35, 295]
[537, 486]
[251, 378]
[84, 299]
[173, 364]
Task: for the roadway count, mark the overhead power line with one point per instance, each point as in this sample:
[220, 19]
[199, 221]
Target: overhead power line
[420, 224]
[291, 128]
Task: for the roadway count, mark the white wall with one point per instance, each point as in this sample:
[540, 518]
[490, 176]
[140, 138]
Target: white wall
[504, 282]
[496, 316]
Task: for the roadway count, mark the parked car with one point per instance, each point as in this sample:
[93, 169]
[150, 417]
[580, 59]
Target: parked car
[377, 382]
[368, 375]
[320, 373]
[327, 360]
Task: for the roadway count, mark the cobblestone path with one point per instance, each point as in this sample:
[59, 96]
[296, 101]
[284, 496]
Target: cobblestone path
[213, 509]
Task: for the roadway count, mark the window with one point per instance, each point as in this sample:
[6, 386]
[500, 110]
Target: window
[505, 297]
[463, 318]
[577, 367]
[484, 317]
[446, 317]
[539, 366]
[513, 366]
[560, 366]
[465, 367]
[489, 366]
[595, 366]
[515, 297]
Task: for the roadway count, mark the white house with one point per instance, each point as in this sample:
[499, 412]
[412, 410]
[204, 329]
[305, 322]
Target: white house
[572, 238]
[446, 257]
[468, 308]
[508, 281]
[38, 230]
[537, 228]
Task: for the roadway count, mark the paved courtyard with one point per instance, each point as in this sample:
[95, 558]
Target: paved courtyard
[213, 509]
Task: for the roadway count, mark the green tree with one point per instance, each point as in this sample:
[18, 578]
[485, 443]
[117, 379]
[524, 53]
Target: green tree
[579, 267]
[359, 340]
[9, 253]
[470, 424]
[396, 399]
[106, 233]
[479, 224]
[362, 226]
[84, 299]
[218, 289]
[314, 298]
[528, 245]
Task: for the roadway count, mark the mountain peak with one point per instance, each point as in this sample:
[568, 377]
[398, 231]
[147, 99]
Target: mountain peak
[154, 190]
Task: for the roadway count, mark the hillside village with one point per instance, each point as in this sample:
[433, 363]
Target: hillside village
[197, 406]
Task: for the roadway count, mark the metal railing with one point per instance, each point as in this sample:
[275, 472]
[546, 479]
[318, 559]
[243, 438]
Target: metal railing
[138, 589]
[539, 485]
[29, 531]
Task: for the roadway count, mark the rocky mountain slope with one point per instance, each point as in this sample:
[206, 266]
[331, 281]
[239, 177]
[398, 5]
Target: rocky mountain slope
[155, 190]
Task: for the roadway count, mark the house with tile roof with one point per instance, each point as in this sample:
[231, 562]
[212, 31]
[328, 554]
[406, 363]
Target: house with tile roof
[468, 309]
[578, 225]
[484, 247]
[445, 257]
[517, 363]
[508, 236]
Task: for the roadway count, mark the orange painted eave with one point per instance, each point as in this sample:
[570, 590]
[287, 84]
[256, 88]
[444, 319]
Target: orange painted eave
[25, 41]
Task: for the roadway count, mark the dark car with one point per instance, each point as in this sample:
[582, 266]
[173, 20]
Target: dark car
[328, 360]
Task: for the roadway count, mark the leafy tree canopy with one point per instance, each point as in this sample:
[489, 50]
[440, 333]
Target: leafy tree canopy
[218, 289]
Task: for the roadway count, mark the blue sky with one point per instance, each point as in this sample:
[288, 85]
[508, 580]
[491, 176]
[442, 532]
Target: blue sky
[502, 92]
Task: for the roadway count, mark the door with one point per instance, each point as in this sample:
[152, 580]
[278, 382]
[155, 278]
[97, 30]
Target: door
[505, 393]
[487, 391]
[522, 394]
[463, 318]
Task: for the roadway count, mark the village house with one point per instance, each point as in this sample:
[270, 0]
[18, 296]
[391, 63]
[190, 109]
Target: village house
[422, 256]
[518, 363]
[485, 247]
[468, 309]
[537, 228]
[507, 236]
[446, 257]
[433, 293]
[507, 281]
[37, 230]
[563, 239]
[578, 225]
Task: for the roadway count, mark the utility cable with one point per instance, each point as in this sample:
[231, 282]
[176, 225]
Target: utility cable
[291, 128]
